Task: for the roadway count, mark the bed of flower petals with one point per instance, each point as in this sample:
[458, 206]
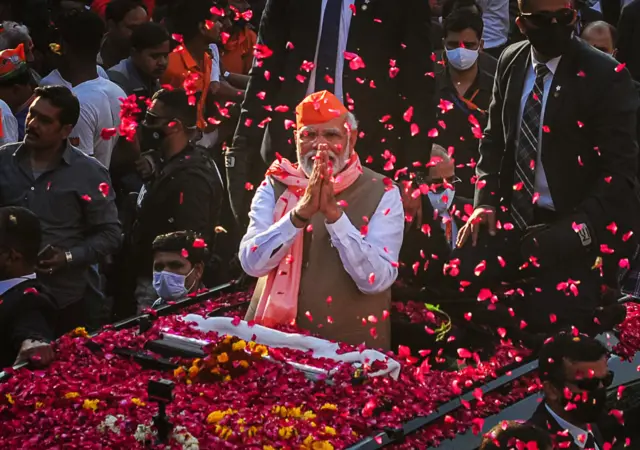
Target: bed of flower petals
[97, 399]
[629, 333]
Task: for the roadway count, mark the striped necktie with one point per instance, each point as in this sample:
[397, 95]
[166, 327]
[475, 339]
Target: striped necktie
[527, 152]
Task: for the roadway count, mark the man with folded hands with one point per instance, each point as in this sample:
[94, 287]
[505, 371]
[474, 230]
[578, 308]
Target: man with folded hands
[324, 234]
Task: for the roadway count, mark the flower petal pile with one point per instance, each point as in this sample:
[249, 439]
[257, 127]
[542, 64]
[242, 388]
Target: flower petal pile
[98, 399]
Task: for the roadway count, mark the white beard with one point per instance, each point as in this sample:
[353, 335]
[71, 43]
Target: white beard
[338, 163]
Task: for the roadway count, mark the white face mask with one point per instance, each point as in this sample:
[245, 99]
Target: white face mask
[462, 58]
[169, 285]
[442, 202]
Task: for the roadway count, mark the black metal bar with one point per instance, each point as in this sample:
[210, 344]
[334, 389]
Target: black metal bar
[162, 311]
[165, 310]
[382, 439]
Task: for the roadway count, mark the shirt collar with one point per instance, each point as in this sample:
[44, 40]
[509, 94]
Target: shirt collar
[67, 154]
[579, 435]
[552, 64]
[5, 285]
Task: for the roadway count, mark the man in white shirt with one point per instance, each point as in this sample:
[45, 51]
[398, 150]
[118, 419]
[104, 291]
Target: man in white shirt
[495, 15]
[9, 125]
[325, 234]
[96, 132]
[575, 377]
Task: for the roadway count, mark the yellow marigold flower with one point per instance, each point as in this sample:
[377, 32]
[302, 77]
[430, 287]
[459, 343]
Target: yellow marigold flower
[329, 406]
[241, 421]
[322, 445]
[39, 405]
[238, 346]
[223, 358]
[308, 441]
[261, 350]
[244, 364]
[10, 398]
[227, 339]
[136, 401]
[216, 416]
[71, 395]
[193, 371]
[309, 415]
[251, 345]
[295, 412]
[253, 430]
[286, 432]
[226, 379]
[90, 404]
[79, 332]
[179, 372]
[268, 447]
[330, 430]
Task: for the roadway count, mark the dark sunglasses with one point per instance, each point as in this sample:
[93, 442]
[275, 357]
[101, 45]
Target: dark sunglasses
[593, 383]
[154, 121]
[541, 19]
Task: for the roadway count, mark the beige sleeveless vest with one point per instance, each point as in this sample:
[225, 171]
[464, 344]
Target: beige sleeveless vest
[323, 275]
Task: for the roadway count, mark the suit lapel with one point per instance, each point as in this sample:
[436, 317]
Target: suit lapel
[560, 87]
[513, 96]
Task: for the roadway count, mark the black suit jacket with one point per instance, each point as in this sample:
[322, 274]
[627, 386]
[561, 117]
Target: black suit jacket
[545, 421]
[591, 104]
[380, 31]
[629, 38]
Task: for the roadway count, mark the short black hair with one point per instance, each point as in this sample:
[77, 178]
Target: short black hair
[61, 97]
[461, 19]
[177, 102]
[508, 433]
[449, 6]
[148, 35]
[117, 10]
[189, 241]
[22, 77]
[187, 15]
[82, 32]
[566, 346]
[612, 30]
[20, 231]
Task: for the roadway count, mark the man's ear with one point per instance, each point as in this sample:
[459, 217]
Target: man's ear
[520, 25]
[551, 393]
[66, 131]
[481, 48]
[198, 270]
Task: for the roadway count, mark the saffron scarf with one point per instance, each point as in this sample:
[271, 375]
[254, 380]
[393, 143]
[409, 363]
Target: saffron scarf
[279, 301]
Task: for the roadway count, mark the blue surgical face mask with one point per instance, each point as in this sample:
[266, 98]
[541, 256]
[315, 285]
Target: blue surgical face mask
[169, 285]
[439, 202]
[462, 58]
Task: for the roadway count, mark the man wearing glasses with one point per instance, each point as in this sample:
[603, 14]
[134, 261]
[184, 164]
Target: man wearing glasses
[575, 377]
[557, 167]
[185, 190]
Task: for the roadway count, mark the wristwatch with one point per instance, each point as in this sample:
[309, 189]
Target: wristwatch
[69, 257]
[226, 74]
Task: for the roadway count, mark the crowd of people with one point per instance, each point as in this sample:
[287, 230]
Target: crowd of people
[478, 154]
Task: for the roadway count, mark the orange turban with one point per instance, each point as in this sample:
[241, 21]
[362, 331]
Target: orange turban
[319, 107]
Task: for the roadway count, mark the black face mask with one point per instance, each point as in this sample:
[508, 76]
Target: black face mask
[552, 40]
[590, 410]
[151, 138]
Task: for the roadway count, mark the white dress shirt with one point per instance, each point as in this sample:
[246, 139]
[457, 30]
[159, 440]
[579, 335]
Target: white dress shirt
[495, 15]
[9, 125]
[579, 435]
[345, 23]
[266, 243]
[540, 185]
